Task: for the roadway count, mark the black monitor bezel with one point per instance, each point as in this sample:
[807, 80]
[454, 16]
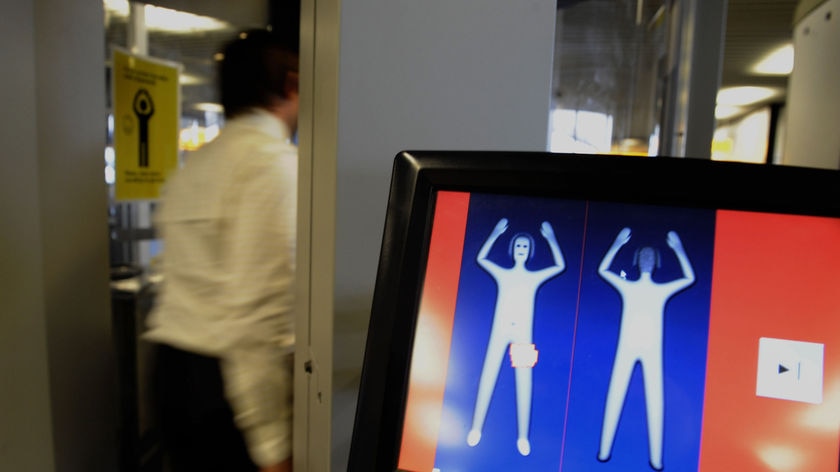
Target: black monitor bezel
[416, 178]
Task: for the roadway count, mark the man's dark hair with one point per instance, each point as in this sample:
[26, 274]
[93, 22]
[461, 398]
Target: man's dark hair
[255, 69]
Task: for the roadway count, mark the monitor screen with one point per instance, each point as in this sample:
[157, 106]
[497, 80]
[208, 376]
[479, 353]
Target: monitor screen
[547, 312]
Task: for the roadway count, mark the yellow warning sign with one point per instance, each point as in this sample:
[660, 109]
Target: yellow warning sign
[146, 98]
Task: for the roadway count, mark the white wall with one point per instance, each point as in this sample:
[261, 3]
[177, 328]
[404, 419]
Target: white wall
[436, 74]
[813, 103]
[57, 398]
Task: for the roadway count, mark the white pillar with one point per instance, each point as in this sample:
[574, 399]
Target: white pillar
[695, 64]
[813, 100]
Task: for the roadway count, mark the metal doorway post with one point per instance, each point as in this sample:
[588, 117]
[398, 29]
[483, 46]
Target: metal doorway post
[693, 77]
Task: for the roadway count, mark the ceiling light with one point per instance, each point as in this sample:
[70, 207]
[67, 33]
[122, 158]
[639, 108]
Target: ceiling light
[165, 19]
[191, 79]
[742, 96]
[211, 107]
[777, 62]
[723, 112]
[116, 7]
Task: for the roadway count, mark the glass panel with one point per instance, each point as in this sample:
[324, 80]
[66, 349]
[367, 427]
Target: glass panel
[609, 74]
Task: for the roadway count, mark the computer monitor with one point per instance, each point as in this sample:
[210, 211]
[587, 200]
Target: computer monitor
[552, 312]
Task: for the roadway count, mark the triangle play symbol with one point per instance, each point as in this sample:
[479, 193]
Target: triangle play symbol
[782, 369]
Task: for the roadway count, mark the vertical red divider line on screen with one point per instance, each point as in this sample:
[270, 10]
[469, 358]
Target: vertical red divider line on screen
[574, 336]
[433, 336]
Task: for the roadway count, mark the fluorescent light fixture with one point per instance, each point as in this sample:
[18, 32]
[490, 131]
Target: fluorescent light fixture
[209, 107]
[723, 112]
[116, 7]
[743, 96]
[777, 62]
[191, 79]
[110, 159]
[165, 19]
[110, 156]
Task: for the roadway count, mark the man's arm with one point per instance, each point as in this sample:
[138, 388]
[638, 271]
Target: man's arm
[259, 294]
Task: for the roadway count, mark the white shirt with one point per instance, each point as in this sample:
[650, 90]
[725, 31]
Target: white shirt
[228, 223]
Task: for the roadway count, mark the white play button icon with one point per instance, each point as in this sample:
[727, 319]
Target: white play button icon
[790, 370]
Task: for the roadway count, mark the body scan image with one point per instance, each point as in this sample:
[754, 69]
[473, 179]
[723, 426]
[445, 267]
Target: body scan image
[513, 324]
[569, 349]
[640, 338]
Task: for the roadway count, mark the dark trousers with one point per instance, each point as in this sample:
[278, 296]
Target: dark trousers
[195, 420]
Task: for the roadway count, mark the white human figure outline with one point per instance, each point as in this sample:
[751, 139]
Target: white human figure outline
[640, 340]
[512, 323]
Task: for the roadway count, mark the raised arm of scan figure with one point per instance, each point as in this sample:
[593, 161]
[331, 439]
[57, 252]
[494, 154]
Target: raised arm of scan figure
[559, 263]
[604, 269]
[482, 260]
[688, 272]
